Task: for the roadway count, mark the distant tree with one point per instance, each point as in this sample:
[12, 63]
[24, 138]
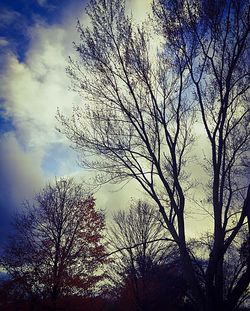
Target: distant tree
[56, 246]
[165, 289]
[138, 246]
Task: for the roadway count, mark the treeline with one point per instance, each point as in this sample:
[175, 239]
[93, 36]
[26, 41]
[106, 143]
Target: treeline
[62, 255]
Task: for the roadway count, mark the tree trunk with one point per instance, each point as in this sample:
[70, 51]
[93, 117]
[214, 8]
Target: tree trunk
[191, 279]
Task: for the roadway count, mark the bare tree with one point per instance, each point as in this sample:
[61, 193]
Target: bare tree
[212, 38]
[139, 113]
[56, 245]
[138, 244]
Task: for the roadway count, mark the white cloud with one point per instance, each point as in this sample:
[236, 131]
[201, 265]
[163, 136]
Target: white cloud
[33, 90]
[46, 4]
[21, 173]
[42, 2]
[115, 197]
[139, 9]
[3, 42]
[21, 176]
[7, 17]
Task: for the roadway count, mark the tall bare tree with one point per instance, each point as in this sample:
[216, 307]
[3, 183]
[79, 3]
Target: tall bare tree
[56, 243]
[212, 38]
[139, 111]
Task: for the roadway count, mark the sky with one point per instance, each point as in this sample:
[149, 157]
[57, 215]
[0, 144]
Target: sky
[35, 38]
[35, 41]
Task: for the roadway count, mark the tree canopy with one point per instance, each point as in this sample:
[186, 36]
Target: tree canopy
[56, 246]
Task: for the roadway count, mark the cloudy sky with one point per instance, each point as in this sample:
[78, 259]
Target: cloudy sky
[35, 41]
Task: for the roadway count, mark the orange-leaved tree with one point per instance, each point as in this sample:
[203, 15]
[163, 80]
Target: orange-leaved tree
[56, 246]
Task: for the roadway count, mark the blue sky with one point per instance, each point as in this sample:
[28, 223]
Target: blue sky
[17, 17]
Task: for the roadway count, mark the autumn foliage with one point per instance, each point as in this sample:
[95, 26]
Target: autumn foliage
[56, 246]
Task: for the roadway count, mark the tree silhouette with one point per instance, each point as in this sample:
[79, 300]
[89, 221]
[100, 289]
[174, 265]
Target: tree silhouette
[141, 105]
[144, 272]
[56, 246]
[138, 244]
